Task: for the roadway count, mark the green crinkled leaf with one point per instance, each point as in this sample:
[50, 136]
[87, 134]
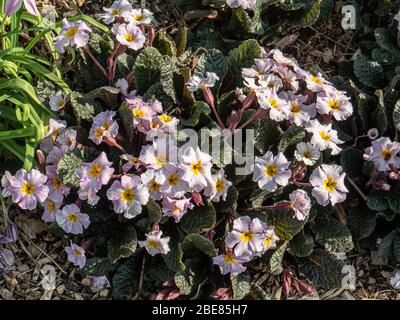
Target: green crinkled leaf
[322, 269]
[147, 69]
[268, 135]
[70, 162]
[377, 201]
[123, 245]
[362, 222]
[199, 219]
[396, 115]
[125, 281]
[290, 137]
[108, 95]
[230, 203]
[334, 236]
[275, 262]
[350, 159]
[240, 285]
[173, 259]
[286, 224]
[156, 91]
[82, 109]
[212, 61]
[127, 120]
[386, 245]
[167, 78]
[181, 40]
[309, 14]
[257, 293]
[200, 243]
[96, 267]
[164, 44]
[153, 211]
[185, 282]
[367, 71]
[198, 108]
[242, 57]
[393, 200]
[300, 246]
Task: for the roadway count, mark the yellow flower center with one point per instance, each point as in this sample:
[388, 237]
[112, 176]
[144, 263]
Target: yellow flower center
[330, 184]
[128, 195]
[138, 17]
[153, 244]
[220, 185]
[173, 180]
[71, 32]
[57, 183]
[134, 160]
[129, 37]
[138, 113]
[99, 132]
[154, 186]
[316, 80]
[116, 12]
[77, 252]
[386, 155]
[307, 154]
[72, 217]
[196, 167]
[165, 118]
[69, 142]
[325, 136]
[334, 105]
[106, 125]
[28, 188]
[271, 170]
[51, 207]
[295, 108]
[60, 103]
[247, 236]
[268, 240]
[160, 161]
[95, 170]
[229, 259]
[273, 103]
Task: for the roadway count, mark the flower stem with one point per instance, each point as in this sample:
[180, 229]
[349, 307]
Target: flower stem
[210, 100]
[256, 115]
[95, 61]
[354, 185]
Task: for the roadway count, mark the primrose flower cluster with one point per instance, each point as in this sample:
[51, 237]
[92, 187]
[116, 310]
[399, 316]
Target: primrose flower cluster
[293, 96]
[128, 27]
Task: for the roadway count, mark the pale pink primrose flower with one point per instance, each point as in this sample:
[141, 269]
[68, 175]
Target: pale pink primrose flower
[159, 153]
[56, 154]
[123, 86]
[197, 168]
[118, 9]
[174, 185]
[68, 138]
[13, 6]
[324, 137]
[383, 153]
[271, 171]
[55, 129]
[315, 83]
[299, 113]
[103, 126]
[278, 56]
[229, 263]
[51, 209]
[334, 103]
[306, 153]
[99, 283]
[95, 174]
[244, 4]
[279, 109]
[300, 203]
[373, 133]
[217, 187]
[153, 180]
[195, 82]
[176, 208]
[270, 239]
[260, 68]
[328, 184]
[57, 190]
[75, 34]
[131, 36]
[76, 255]
[27, 188]
[270, 82]
[139, 16]
[72, 220]
[132, 162]
[247, 236]
[128, 196]
[155, 244]
[58, 101]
